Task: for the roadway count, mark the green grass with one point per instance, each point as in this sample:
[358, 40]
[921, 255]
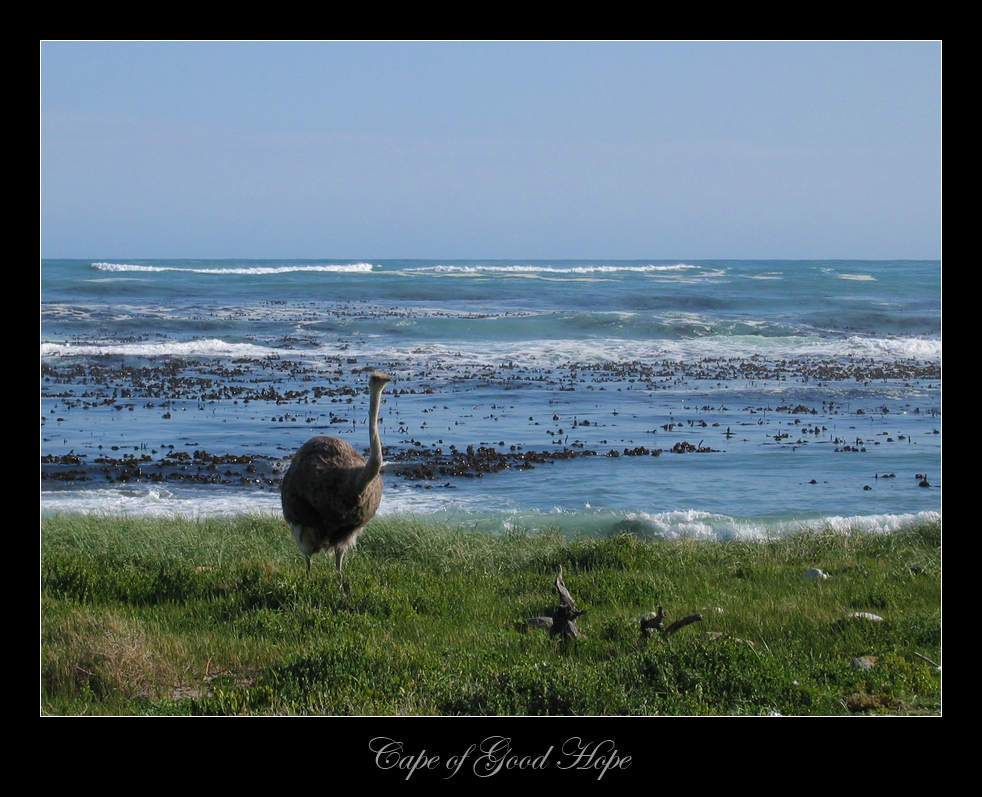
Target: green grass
[218, 617]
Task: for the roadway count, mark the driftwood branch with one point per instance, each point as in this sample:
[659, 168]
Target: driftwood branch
[932, 663]
[655, 621]
[564, 618]
[692, 618]
[562, 622]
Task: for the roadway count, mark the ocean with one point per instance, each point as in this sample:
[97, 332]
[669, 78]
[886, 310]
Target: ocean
[713, 399]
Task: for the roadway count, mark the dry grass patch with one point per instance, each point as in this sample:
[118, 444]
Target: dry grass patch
[105, 656]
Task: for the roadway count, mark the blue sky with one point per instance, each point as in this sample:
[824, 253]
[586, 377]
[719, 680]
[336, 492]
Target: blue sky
[512, 150]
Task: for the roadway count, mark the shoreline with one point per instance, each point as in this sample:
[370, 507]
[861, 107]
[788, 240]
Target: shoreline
[799, 397]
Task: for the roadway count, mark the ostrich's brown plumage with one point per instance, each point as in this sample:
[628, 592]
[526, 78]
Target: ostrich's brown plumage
[330, 491]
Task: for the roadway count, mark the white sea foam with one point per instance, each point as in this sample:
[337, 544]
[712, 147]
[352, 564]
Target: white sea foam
[211, 347]
[787, 347]
[541, 269]
[203, 502]
[140, 501]
[603, 350]
[536, 352]
[704, 525]
[350, 268]
[705, 275]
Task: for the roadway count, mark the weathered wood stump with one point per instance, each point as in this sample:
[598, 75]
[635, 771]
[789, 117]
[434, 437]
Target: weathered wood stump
[564, 618]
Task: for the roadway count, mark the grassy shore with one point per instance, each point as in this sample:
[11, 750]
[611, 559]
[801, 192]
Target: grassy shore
[218, 617]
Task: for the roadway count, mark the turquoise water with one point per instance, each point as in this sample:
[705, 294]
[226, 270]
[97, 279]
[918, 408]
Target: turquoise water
[802, 382]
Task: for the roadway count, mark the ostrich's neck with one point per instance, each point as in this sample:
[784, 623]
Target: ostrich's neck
[374, 464]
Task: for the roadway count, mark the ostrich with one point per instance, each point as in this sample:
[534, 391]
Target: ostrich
[330, 491]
